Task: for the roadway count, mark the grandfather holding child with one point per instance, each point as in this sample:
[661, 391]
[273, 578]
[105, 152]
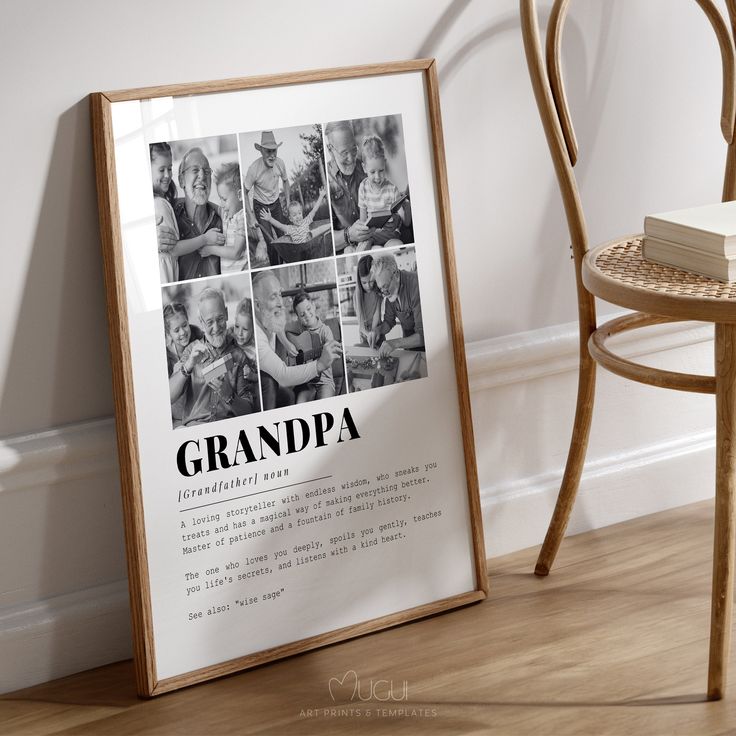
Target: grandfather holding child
[345, 174]
[270, 319]
[209, 399]
[196, 217]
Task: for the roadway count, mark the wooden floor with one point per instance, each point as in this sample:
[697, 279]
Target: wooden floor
[615, 641]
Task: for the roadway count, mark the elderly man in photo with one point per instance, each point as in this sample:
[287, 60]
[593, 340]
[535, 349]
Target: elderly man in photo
[400, 290]
[345, 172]
[199, 221]
[270, 319]
[214, 390]
[264, 178]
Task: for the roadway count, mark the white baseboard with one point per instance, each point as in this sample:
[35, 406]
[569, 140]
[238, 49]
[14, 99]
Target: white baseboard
[68, 633]
[616, 489]
[58, 455]
[526, 356]
[63, 603]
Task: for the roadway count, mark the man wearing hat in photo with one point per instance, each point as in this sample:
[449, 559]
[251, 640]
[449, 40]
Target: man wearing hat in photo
[263, 177]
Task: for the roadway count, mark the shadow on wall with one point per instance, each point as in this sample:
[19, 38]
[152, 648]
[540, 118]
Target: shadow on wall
[58, 367]
[549, 272]
[453, 11]
[59, 372]
[552, 268]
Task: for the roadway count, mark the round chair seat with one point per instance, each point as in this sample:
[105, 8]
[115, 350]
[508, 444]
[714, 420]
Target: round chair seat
[617, 272]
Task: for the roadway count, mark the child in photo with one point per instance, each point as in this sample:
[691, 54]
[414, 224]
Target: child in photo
[300, 227]
[179, 334]
[322, 387]
[233, 254]
[242, 330]
[164, 195]
[367, 302]
[244, 336]
[377, 192]
[257, 248]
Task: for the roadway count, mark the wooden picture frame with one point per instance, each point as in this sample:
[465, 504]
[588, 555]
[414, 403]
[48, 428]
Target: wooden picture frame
[159, 566]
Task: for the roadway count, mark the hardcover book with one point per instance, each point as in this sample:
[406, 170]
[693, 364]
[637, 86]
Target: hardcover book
[710, 228]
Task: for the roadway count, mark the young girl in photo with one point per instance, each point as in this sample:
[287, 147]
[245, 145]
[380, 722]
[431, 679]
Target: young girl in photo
[243, 332]
[367, 302]
[179, 334]
[164, 194]
[378, 193]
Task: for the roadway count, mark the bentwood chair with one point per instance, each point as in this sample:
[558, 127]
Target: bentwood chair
[616, 272]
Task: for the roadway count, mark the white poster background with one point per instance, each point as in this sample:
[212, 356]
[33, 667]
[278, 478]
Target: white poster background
[400, 425]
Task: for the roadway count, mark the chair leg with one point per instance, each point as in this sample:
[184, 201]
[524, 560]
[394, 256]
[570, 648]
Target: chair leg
[723, 541]
[574, 466]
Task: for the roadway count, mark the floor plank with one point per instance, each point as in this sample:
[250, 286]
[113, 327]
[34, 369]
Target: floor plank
[614, 641]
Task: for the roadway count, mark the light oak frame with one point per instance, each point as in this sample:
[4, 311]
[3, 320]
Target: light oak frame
[549, 91]
[148, 683]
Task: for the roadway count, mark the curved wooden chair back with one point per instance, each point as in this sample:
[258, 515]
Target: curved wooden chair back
[549, 91]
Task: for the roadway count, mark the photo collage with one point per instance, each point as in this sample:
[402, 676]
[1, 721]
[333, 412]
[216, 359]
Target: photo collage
[288, 266]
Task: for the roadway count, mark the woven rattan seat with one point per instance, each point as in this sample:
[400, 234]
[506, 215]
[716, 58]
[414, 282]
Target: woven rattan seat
[617, 272]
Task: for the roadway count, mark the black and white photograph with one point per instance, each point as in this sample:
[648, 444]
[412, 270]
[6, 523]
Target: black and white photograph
[382, 318]
[210, 350]
[285, 194]
[369, 183]
[198, 205]
[298, 333]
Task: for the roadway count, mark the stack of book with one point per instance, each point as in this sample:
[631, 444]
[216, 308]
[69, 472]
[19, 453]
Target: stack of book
[699, 239]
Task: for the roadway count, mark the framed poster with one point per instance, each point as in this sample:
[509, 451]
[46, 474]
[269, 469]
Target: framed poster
[291, 393]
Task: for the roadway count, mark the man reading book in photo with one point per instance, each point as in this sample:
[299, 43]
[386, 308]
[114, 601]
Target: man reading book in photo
[345, 175]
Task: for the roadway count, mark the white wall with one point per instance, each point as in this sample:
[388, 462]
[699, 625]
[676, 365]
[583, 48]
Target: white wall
[644, 83]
